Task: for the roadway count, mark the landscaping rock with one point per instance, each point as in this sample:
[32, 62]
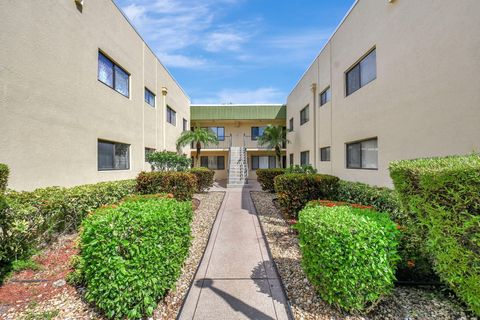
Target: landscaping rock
[59, 283]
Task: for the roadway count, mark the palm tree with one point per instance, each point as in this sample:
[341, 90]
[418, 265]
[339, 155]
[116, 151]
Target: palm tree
[196, 137]
[274, 137]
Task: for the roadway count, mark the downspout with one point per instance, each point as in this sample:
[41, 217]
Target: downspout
[314, 92]
[164, 116]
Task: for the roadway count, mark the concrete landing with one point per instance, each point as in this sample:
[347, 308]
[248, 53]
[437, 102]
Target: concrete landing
[236, 279]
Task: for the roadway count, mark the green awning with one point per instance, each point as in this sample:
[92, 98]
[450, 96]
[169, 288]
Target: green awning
[238, 112]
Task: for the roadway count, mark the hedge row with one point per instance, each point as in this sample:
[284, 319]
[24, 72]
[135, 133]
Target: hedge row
[441, 197]
[349, 254]
[266, 178]
[204, 178]
[132, 254]
[181, 184]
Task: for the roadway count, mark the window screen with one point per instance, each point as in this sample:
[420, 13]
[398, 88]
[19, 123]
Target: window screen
[113, 156]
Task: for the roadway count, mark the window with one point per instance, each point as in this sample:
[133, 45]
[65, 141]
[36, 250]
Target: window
[362, 73]
[213, 162]
[219, 132]
[113, 156]
[290, 125]
[304, 158]
[325, 154]
[113, 75]
[363, 154]
[325, 96]
[291, 159]
[263, 162]
[304, 115]
[171, 116]
[148, 151]
[185, 124]
[149, 97]
[257, 132]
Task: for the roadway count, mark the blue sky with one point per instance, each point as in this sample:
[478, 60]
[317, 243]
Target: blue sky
[236, 51]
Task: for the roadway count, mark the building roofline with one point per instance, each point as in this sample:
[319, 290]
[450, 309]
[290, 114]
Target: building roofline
[324, 46]
[153, 52]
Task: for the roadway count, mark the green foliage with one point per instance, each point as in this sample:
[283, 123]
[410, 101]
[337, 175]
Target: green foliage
[274, 137]
[301, 169]
[168, 161]
[3, 177]
[24, 264]
[349, 254]
[181, 184]
[294, 190]
[266, 178]
[442, 198]
[196, 137]
[204, 178]
[132, 254]
[37, 216]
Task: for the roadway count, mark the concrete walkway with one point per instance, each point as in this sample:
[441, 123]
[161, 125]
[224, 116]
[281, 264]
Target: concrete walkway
[236, 279]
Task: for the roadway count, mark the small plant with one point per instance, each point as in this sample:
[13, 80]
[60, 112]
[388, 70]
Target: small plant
[204, 178]
[308, 169]
[182, 185]
[266, 178]
[168, 161]
[349, 254]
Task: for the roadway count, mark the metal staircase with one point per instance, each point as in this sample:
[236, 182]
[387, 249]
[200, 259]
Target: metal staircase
[237, 167]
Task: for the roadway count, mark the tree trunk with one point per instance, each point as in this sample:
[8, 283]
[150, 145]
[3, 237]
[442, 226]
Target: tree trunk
[199, 147]
[278, 153]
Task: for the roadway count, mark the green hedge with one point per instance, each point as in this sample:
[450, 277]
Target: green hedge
[305, 168]
[204, 178]
[182, 185]
[132, 254]
[294, 190]
[3, 177]
[266, 178]
[37, 216]
[168, 161]
[442, 197]
[349, 254]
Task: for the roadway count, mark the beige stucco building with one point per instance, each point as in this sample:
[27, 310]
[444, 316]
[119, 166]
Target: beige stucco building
[82, 96]
[397, 80]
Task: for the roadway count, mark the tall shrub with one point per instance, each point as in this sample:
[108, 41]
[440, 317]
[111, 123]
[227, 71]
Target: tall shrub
[441, 197]
[205, 178]
[181, 184]
[294, 190]
[266, 178]
[349, 254]
[168, 161]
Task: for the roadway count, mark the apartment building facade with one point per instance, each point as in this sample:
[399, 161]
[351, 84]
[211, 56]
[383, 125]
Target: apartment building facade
[397, 80]
[237, 127]
[83, 98]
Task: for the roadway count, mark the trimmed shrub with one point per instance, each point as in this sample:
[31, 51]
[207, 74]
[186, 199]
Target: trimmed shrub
[132, 254]
[204, 178]
[168, 161]
[181, 184]
[349, 254]
[442, 199]
[266, 178]
[3, 177]
[306, 168]
[294, 190]
[330, 203]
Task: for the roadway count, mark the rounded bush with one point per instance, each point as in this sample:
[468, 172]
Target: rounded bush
[349, 254]
[132, 254]
[204, 178]
[266, 178]
[182, 185]
[294, 190]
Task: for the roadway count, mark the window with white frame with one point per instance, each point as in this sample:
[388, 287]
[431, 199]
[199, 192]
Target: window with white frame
[304, 158]
[325, 154]
[113, 75]
[363, 154]
[113, 155]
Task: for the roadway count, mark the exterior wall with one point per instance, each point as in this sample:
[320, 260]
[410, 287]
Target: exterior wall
[52, 107]
[219, 174]
[424, 101]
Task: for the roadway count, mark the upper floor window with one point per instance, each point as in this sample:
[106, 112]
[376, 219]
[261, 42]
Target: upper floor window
[171, 116]
[290, 125]
[325, 96]
[304, 158]
[304, 115]
[219, 132]
[213, 162]
[363, 154]
[185, 124]
[325, 154]
[113, 75]
[362, 73]
[263, 162]
[149, 97]
[257, 132]
[113, 155]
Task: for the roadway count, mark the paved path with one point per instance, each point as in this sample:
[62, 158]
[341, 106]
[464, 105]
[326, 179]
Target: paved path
[236, 279]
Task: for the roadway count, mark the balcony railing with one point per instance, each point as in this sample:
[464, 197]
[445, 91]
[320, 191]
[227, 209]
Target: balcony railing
[253, 144]
[223, 143]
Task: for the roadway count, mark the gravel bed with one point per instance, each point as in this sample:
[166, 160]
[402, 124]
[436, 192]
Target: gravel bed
[406, 303]
[69, 304]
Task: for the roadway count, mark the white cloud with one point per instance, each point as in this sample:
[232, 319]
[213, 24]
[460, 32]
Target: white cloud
[260, 95]
[181, 61]
[220, 41]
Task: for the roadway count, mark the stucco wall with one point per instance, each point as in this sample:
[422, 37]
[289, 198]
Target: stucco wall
[425, 100]
[53, 108]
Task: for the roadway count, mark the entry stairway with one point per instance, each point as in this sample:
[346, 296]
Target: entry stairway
[237, 167]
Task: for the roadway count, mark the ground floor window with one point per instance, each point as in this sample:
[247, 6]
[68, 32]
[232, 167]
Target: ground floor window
[213, 162]
[148, 151]
[304, 158]
[363, 154]
[291, 159]
[113, 155]
[263, 162]
[325, 154]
